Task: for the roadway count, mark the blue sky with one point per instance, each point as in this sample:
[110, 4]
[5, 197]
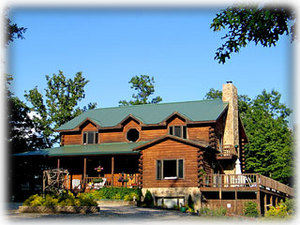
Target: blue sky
[110, 46]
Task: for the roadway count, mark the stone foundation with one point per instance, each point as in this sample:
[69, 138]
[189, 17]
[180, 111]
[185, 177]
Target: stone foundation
[179, 194]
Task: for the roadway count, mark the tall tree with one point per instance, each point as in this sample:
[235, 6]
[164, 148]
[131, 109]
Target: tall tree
[59, 105]
[144, 85]
[261, 25]
[265, 119]
[23, 133]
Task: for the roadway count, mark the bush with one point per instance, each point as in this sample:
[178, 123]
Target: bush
[213, 212]
[120, 193]
[281, 210]
[250, 209]
[148, 200]
[65, 199]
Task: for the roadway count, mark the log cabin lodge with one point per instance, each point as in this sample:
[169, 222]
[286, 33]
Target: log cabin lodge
[180, 150]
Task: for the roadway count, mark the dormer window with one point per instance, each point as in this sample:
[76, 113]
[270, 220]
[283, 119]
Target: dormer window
[90, 137]
[179, 131]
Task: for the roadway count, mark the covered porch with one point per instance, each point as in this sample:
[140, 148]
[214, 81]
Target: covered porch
[93, 172]
[118, 162]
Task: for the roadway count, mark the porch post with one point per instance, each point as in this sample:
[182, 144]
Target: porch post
[58, 163]
[84, 168]
[112, 170]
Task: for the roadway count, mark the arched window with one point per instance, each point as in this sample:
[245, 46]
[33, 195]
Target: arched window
[133, 135]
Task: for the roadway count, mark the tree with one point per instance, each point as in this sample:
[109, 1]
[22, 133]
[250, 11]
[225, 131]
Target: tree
[269, 150]
[144, 85]
[23, 133]
[13, 31]
[255, 24]
[59, 105]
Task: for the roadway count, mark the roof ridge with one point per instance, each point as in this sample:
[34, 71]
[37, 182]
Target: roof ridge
[165, 103]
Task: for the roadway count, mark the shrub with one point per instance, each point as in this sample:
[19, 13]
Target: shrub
[117, 193]
[213, 212]
[65, 199]
[190, 204]
[148, 200]
[250, 209]
[281, 210]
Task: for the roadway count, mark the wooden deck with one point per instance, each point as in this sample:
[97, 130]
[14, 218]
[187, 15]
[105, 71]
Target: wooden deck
[247, 181]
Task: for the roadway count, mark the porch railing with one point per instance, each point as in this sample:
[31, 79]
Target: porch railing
[113, 180]
[227, 151]
[249, 180]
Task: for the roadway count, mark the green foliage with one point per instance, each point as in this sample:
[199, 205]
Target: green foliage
[144, 85]
[278, 211]
[65, 199]
[213, 94]
[59, 105]
[269, 151]
[250, 209]
[290, 205]
[23, 133]
[213, 212]
[148, 200]
[190, 204]
[119, 193]
[13, 31]
[98, 180]
[261, 25]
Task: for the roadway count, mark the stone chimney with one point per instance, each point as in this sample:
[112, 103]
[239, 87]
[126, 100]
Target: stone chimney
[231, 131]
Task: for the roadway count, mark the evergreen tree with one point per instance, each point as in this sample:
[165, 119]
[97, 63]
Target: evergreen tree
[144, 85]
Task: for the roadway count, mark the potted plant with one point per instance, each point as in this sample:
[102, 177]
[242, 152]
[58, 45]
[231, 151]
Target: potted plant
[183, 208]
[99, 169]
[98, 180]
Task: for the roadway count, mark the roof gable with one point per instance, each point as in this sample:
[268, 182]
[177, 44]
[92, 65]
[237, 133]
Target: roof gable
[150, 114]
[174, 138]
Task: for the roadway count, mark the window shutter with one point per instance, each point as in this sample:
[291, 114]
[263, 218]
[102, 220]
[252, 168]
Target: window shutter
[171, 130]
[180, 168]
[184, 132]
[158, 169]
[84, 138]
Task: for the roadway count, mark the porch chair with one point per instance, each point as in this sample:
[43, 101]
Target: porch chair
[100, 185]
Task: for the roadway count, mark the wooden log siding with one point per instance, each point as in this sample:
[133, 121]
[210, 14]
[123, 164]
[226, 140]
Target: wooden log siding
[198, 133]
[140, 180]
[194, 132]
[201, 171]
[213, 141]
[170, 149]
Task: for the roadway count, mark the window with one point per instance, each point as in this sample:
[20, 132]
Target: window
[179, 131]
[90, 137]
[133, 135]
[169, 169]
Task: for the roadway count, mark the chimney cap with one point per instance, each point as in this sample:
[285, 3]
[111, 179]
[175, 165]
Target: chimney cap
[229, 82]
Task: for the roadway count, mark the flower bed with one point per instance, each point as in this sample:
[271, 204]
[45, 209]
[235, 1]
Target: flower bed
[66, 202]
[59, 209]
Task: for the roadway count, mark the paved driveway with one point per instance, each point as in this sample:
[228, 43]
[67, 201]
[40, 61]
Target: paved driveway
[108, 213]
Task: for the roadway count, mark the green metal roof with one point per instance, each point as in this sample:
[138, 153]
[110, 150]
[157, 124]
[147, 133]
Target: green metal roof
[77, 150]
[204, 110]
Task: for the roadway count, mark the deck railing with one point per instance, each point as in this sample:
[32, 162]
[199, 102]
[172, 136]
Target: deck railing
[247, 180]
[113, 180]
[227, 150]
